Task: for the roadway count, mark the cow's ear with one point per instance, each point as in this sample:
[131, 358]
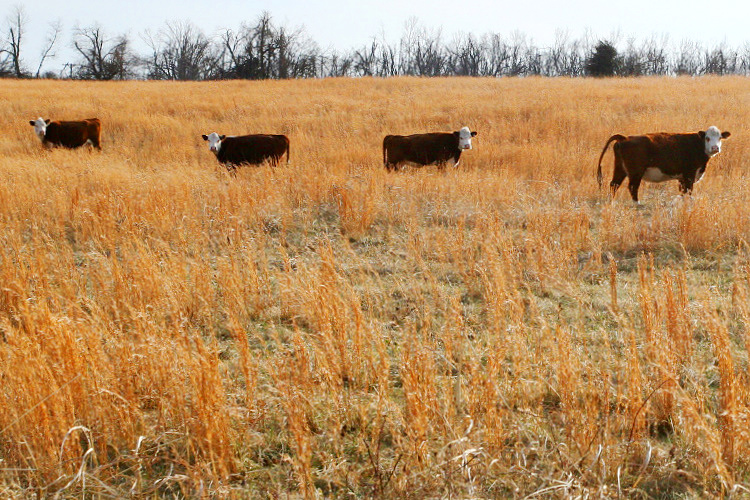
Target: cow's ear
[222, 137]
[725, 134]
[457, 134]
[32, 122]
[702, 134]
[473, 134]
[47, 121]
[205, 137]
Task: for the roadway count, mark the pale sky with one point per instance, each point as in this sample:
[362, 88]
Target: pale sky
[344, 24]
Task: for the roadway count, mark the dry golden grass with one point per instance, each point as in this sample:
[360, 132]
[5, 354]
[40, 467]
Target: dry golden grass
[327, 328]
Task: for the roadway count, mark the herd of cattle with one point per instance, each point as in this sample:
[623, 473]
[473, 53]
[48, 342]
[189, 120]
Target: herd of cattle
[652, 157]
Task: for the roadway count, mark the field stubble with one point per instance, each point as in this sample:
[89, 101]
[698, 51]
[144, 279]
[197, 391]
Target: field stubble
[325, 327]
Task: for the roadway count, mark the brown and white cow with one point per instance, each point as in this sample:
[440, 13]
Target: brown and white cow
[68, 134]
[425, 149]
[233, 151]
[661, 157]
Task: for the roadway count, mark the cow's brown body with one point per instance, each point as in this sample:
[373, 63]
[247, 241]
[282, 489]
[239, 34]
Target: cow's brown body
[656, 158]
[73, 134]
[422, 149]
[253, 149]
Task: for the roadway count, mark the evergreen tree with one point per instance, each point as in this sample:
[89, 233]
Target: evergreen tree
[603, 60]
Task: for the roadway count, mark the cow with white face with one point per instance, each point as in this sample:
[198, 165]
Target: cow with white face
[713, 140]
[68, 134]
[425, 149]
[40, 127]
[464, 138]
[233, 151]
[214, 141]
[662, 157]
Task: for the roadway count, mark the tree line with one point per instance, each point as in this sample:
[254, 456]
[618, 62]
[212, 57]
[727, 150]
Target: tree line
[262, 49]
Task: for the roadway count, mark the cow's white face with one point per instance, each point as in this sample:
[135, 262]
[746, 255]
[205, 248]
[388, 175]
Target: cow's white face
[214, 141]
[464, 138]
[712, 140]
[40, 127]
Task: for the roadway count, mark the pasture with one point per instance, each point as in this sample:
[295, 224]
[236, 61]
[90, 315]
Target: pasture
[327, 328]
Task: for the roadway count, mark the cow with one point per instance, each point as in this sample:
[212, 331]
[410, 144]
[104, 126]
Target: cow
[254, 149]
[69, 134]
[661, 157]
[425, 149]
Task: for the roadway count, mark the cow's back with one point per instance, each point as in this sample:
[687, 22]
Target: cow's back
[396, 147]
[73, 134]
[421, 148]
[662, 149]
[253, 149]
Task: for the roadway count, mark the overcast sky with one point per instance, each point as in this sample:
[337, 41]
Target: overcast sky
[343, 24]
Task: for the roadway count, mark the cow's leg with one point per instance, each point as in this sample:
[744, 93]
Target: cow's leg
[618, 176]
[456, 159]
[686, 183]
[95, 143]
[633, 185]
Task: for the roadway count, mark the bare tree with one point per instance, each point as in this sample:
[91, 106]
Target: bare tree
[406, 46]
[516, 49]
[233, 53]
[430, 58]
[688, 58]
[743, 66]
[466, 56]
[721, 60]
[365, 59]
[263, 50]
[182, 51]
[631, 61]
[534, 60]
[15, 31]
[102, 58]
[264, 43]
[557, 55]
[244, 51]
[388, 64]
[52, 35]
[655, 56]
[337, 65]
[306, 58]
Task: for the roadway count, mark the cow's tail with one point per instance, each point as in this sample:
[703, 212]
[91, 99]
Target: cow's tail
[616, 137]
[288, 150]
[385, 150]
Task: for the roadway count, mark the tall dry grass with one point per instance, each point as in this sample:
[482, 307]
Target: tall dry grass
[327, 328]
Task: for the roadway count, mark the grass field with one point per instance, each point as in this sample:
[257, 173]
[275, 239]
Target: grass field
[327, 328]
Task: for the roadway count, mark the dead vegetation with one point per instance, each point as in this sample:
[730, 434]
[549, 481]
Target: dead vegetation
[327, 328]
